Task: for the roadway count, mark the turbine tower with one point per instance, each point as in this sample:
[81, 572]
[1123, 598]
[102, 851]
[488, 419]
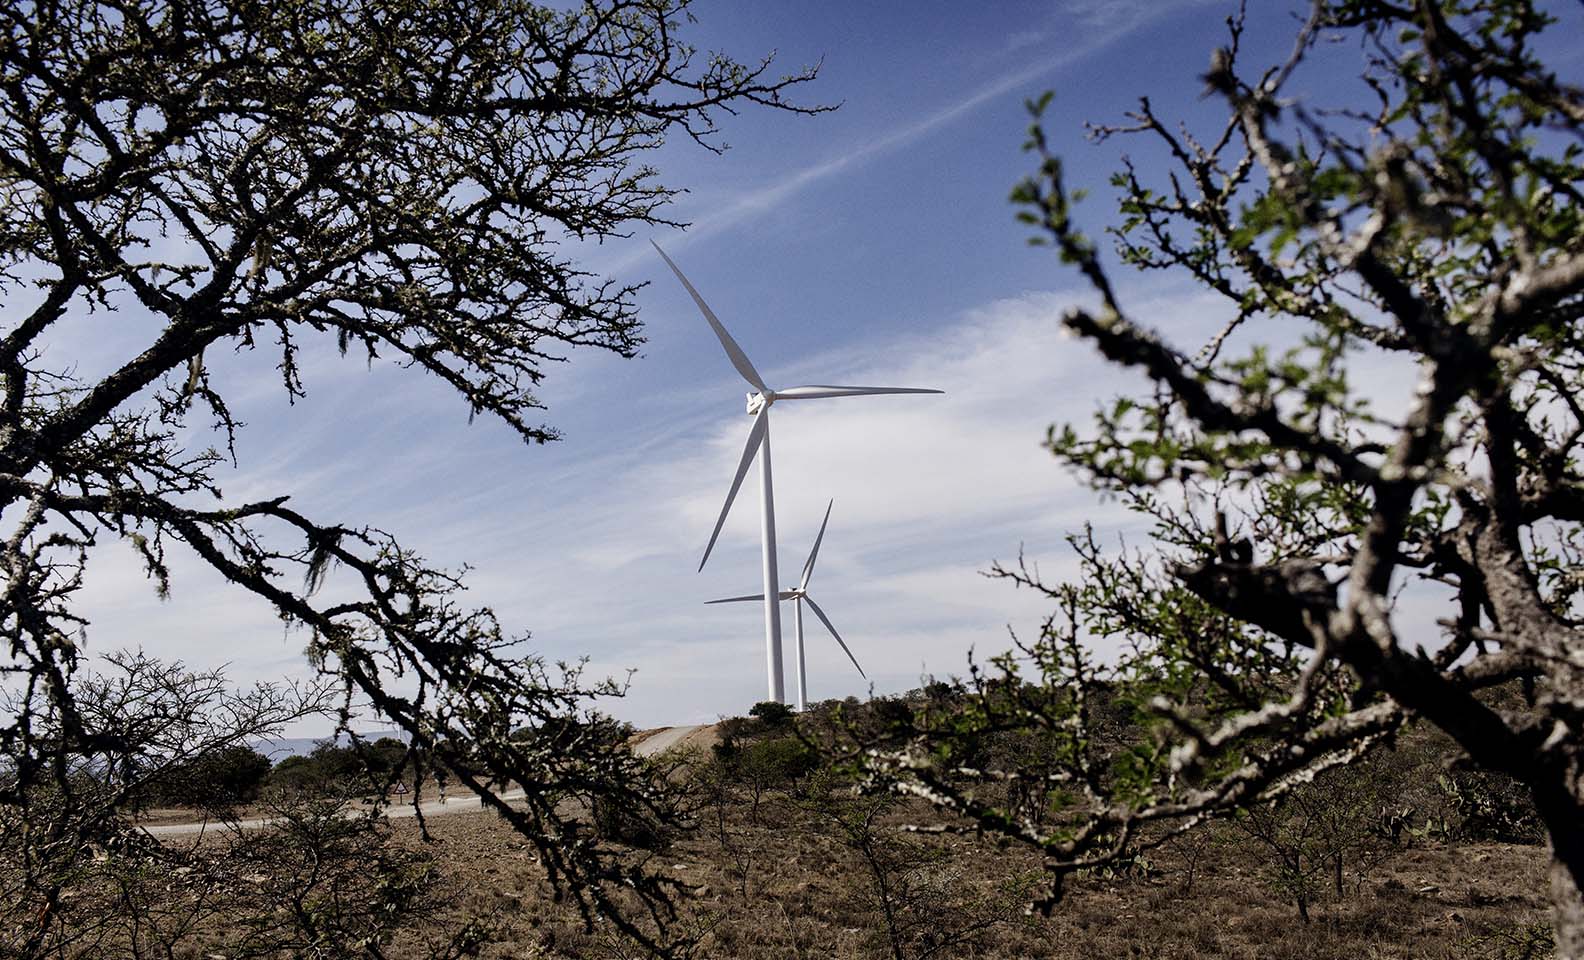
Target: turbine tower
[798, 596]
[759, 403]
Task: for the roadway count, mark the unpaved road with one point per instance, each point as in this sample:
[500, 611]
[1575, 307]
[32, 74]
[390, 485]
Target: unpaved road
[655, 743]
[395, 811]
[667, 737]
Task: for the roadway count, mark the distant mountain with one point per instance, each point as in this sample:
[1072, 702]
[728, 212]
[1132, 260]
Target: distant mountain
[283, 747]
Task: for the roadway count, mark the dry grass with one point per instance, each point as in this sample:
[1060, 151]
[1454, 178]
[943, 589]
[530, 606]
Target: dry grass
[786, 887]
[771, 869]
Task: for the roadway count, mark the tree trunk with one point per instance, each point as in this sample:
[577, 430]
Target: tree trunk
[1560, 807]
[1567, 904]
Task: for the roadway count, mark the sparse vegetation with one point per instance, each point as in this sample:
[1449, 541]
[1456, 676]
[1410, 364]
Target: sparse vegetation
[1326, 572]
[1271, 768]
[380, 177]
[216, 780]
[824, 870]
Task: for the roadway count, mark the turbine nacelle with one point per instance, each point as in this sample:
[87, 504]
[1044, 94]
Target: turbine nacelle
[760, 400]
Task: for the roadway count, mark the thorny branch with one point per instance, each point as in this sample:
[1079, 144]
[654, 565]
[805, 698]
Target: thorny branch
[1442, 228]
[268, 179]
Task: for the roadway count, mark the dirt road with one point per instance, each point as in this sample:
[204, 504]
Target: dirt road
[655, 743]
[667, 737]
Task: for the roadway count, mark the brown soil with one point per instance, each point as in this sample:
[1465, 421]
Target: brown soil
[776, 881]
[808, 896]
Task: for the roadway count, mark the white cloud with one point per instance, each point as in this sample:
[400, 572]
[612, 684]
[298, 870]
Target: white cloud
[1110, 13]
[595, 548]
[928, 492]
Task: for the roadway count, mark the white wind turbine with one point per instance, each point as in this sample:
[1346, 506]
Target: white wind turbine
[798, 596]
[759, 403]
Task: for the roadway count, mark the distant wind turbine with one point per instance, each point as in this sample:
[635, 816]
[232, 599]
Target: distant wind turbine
[798, 596]
[759, 403]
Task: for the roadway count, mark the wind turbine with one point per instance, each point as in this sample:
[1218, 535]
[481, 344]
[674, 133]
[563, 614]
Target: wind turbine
[759, 403]
[798, 596]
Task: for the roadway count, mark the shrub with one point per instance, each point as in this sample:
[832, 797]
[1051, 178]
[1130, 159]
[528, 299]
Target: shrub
[385, 755]
[780, 761]
[772, 714]
[621, 823]
[216, 780]
[297, 774]
[336, 762]
[1489, 805]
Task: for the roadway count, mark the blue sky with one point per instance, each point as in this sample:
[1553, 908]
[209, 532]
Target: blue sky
[874, 244]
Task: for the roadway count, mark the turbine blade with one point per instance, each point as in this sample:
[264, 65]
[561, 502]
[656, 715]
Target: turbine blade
[755, 436]
[757, 596]
[787, 594]
[826, 620]
[808, 567]
[733, 352]
[817, 390]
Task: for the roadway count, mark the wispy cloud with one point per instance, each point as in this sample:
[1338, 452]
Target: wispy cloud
[598, 557]
[1105, 13]
[1113, 19]
[929, 491]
